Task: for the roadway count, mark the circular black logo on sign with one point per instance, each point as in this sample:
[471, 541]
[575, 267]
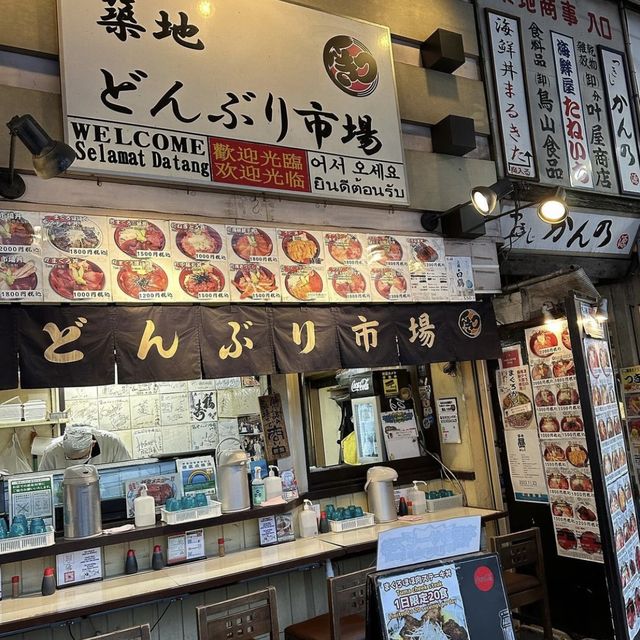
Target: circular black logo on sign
[470, 323]
[350, 65]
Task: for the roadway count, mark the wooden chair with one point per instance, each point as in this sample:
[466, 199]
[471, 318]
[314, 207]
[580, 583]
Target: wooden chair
[141, 632]
[524, 550]
[346, 617]
[258, 617]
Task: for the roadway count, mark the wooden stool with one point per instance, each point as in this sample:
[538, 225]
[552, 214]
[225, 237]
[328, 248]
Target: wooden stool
[346, 617]
[253, 621]
[141, 632]
[524, 549]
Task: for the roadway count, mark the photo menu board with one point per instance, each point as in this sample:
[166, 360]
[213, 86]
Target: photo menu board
[562, 441]
[54, 257]
[631, 396]
[618, 500]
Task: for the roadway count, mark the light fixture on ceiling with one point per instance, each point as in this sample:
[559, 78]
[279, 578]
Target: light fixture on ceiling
[554, 209]
[50, 157]
[485, 199]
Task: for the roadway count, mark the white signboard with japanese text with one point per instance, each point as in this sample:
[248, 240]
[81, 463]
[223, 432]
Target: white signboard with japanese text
[581, 232]
[508, 69]
[556, 58]
[185, 93]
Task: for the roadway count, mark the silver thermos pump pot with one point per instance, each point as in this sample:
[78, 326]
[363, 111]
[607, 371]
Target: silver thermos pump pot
[233, 481]
[379, 488]
[81, 502]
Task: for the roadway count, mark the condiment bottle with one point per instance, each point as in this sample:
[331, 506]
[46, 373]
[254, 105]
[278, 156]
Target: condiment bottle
[273, 483]
[402, 510]
[324, 523]
[144, 509]
[131, 564]
[15, 586]
[157, 560]
[221, 547]
[258, 493]
[409, 508]
[48, 582]
[308, 521]
[418, 498]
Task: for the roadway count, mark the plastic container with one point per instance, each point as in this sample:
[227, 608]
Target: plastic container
[212, 510]
[308, 521]
[273, 483]
[418, 498]
[258, 491]
[144, 509]
[450, 502]
[365, 520]
[33, 541]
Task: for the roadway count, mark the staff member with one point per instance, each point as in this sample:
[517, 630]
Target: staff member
[82, 444]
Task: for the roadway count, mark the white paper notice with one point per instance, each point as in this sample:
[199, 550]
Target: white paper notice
[145, 411]
[147, 443]
[430, 541]
[176, 439]
[174, 409]
[447, 410]
[79, 566]
[83, 412]
[114, 414]
[204, 435]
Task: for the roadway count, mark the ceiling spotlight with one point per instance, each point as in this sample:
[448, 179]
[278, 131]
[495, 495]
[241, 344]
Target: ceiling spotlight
[553, 209]
[485, 199]
[50, 157]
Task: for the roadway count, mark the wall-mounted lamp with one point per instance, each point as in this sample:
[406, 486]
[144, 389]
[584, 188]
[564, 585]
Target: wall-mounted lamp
[460, 221]
[50, 157]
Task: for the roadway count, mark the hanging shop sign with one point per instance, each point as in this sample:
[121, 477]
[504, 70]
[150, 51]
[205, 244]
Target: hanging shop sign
[71, 258]
[562, 97]
[174, 94]
[581, 232]
[79, 346]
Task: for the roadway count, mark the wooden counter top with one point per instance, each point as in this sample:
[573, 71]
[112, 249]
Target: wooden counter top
[180, 580]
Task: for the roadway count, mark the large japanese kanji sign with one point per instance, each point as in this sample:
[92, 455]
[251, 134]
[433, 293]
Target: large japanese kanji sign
[562, 96]
[234, 94]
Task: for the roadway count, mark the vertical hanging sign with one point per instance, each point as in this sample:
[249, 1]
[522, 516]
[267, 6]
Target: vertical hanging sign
[572, 109]
[620, 114]
[508, 72]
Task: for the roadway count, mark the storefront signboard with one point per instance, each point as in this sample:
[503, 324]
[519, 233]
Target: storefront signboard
[274, 427]
[174, 94]
[521, 435]
[561, 131]
[563, 443]
[582, 232]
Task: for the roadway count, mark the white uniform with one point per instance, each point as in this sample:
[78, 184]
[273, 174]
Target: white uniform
[111, 450]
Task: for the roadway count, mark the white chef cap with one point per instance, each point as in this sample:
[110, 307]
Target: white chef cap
[77, 438]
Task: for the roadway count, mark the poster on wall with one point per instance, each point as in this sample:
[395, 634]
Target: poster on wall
[521, 435]
[347, 267]
[302, 266]
[388, 268]
[333, 133]
[563, 444]
[552, 92]
[630, 378]
[428, 269]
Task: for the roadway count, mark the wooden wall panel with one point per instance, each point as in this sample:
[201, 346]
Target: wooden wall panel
[438, 182]
[411, 19]
[427, 96]
[30, 25]
[46, 108]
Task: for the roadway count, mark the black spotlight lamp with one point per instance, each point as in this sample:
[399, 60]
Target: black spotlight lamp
[50, 157]
[554, 209]
[485, 199]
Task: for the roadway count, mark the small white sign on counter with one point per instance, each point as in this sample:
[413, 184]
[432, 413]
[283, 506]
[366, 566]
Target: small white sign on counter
[32, 497]
[185, 547]
[78, 567]
[429, 541]
[447, 409]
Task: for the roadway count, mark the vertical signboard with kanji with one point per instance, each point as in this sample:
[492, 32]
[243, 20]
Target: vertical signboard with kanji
[557, 57]
[183, 92]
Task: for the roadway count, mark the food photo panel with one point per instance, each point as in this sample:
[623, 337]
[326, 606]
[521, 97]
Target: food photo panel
[141, 266]
[199, 262]
[76, 258]
[388, 268]
[347, 267]
[302, 266]
[428, 269]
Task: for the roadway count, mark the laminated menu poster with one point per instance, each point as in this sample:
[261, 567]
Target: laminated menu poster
[199, 258]
[302, 267]
[347, 267]
[461, 282]
[140, 255]
[423, 603]
[160, 488]
[631, 397]
[75, 251]
[197, 475]
[388, 268]
[615, 469]
[31, 497]
[428, 269]
[521, 435]
[562, 441]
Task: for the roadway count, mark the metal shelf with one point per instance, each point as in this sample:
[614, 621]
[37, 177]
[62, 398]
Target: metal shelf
[30, 423]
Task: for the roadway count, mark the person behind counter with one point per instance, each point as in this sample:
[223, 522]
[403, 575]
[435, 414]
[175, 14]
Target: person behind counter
[82, 444]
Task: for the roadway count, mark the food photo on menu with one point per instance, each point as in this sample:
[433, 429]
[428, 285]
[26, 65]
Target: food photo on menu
[388, 258]
[302, 266]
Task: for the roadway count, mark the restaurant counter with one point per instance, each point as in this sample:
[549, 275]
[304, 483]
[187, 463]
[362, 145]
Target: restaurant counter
[181, 580]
